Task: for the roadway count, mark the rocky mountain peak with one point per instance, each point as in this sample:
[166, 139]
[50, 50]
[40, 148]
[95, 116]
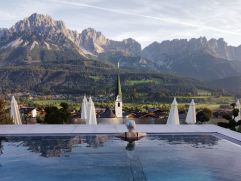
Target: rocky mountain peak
[90, 31]
[40, 38]
[39, 23]
[129, 40]
[2, 32]
[179, 47]
[93, 41]
[43, 32]
[93, 35]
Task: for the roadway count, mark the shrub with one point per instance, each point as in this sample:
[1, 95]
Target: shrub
[57, 116]
[204, 115]
[232, 123]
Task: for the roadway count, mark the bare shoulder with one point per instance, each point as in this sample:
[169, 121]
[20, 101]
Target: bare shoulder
[122, 135]
[140, 134]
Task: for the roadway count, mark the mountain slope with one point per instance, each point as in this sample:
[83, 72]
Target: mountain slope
[39, 38]
[79, 79]
[231, 84]
[197, 58]
[96, 43]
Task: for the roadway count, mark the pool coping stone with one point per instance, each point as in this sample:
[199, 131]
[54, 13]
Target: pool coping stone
[37, 129]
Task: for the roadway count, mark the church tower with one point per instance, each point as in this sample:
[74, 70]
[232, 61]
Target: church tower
[118, 101]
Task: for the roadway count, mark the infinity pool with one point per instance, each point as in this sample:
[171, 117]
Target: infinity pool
[106, 158]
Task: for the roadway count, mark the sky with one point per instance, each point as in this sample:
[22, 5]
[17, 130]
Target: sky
[144, 20]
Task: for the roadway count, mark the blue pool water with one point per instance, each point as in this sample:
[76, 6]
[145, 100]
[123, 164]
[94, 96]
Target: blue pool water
[106, 158]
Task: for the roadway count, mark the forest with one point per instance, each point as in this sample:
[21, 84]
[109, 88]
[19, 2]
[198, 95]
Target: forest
[98, 80]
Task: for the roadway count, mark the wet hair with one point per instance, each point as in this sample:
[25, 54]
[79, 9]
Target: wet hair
[131, 124]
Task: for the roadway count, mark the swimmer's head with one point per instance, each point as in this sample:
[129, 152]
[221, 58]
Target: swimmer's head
[131, 124]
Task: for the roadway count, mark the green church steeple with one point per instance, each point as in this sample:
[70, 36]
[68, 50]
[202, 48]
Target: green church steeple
[118, 100]
[118, 86]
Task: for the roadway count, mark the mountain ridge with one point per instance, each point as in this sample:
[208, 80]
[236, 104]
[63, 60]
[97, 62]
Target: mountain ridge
[43, 33]
[39, 38]
[206, 59]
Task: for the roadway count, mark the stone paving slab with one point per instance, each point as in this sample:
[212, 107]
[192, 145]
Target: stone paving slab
[37, 129]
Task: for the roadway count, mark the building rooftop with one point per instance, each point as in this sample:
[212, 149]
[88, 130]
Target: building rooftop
[108, 113]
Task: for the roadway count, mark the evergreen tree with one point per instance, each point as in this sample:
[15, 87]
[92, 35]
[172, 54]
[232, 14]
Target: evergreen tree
[4, 113]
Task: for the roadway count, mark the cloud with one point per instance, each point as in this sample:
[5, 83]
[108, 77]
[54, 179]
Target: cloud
[161, 19]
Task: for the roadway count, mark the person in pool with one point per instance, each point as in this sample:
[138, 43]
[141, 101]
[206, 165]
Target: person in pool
[131, 135]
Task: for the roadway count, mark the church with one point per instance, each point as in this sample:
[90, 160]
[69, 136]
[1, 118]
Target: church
[116, 115]
[118, 96]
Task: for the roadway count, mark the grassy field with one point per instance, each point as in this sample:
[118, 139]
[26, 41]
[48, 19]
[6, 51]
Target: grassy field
[212, 106]
[202, 92]
[49, 102]
[136, 82]
[210, 102]
[95, 78]
[56, 103]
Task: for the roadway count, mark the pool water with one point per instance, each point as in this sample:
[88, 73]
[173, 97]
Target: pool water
[107, 158]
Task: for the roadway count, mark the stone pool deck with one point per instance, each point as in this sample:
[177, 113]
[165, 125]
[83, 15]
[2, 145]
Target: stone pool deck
[36, 129]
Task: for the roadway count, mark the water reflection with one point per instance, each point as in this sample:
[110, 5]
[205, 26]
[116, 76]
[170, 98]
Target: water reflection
[135, 165]
[55, 146]
[130, 146]
[61, 146]
[95, 141]
[196, 141]
[1, 145]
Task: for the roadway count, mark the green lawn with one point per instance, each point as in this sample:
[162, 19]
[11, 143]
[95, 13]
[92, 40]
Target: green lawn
[210, 102]
[136, 82]
[56, 103]
[211, 106]
[49, 102]
[202, 92]
[95, 78]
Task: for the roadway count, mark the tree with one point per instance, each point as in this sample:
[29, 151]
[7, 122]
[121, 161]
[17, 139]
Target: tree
[4, 113]
[65, 111]
[231, 117]
[64, 106]
[204, 115]
[233, 105]
[57, 116]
